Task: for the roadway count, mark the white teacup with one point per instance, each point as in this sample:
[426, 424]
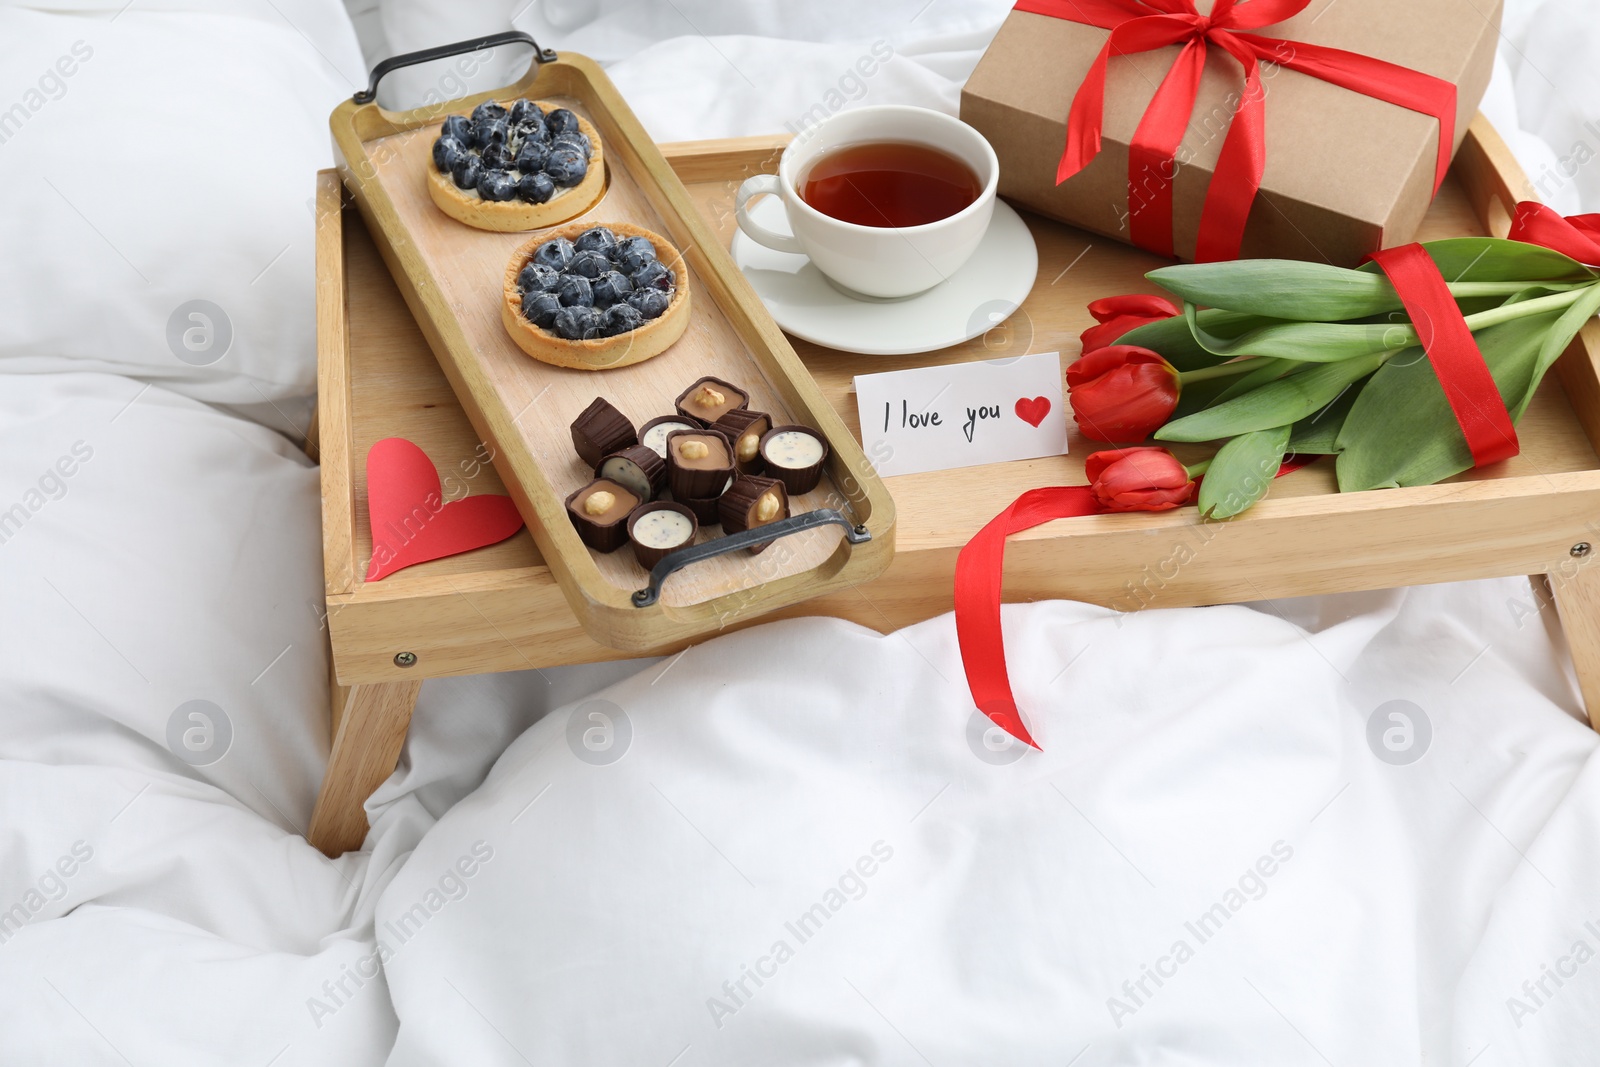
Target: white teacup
[878, 261]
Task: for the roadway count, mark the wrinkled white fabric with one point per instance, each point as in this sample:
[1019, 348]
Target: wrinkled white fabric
[605, 891]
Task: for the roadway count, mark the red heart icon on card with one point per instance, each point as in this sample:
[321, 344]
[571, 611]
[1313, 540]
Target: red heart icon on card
[1033, 411]
[412, 523]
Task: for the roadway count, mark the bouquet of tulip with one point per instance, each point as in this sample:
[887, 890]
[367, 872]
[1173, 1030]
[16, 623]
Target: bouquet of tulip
[1274, 357]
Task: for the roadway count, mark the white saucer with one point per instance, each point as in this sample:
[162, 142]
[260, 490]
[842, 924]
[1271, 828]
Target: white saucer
[972, 301]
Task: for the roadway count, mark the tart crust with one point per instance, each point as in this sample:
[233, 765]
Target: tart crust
[598, 353]
[512, 216]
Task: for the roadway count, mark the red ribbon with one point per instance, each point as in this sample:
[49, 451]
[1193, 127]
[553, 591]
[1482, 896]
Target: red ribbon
[979, 571]
[1145, 25]
[1454, 354]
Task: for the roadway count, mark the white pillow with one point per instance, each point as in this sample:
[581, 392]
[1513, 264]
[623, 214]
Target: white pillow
[155, 552]
[156, 160]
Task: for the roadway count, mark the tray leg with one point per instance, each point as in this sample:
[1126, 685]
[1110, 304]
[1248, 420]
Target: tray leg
[1577, 598]
[369, 726]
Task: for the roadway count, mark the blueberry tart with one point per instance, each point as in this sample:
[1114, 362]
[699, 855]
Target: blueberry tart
[592, 297]
[518, 168]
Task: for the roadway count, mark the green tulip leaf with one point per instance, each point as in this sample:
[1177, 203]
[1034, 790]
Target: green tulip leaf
[1174, 340]
[1400, 431]
[1493, 259]
[1318, 435]
[1241, 472]
[1269, 370]
[1556, 342]
[1306, 342]
[1277, 403]
[1280, 288]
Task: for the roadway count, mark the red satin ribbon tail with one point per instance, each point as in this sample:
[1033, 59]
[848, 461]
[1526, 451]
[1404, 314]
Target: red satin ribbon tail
[980, 572]
[980, 569]
[1452, 351]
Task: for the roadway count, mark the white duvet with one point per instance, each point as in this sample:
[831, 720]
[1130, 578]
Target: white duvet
[1345, 830]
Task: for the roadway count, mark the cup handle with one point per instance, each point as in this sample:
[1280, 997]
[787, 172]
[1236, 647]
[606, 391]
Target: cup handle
[754, 187]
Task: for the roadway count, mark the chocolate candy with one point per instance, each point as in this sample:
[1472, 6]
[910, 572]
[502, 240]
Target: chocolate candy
[704, 509]
[659, 528]
[699, 463]
[654, 433]
[750, 502]
[794, 454]
[600, 431]
[637, 469]
[599, 511]
[708, 399]
[744, 428]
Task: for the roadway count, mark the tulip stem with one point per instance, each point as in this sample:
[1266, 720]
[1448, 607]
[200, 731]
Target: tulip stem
[1221, 370]
[1197, 469]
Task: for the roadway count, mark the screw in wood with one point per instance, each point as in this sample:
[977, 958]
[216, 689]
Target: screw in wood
[405, 659]
[1580, 549]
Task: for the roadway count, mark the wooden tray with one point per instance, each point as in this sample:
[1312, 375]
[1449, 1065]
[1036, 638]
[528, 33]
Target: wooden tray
[451, 275]
[499, 608]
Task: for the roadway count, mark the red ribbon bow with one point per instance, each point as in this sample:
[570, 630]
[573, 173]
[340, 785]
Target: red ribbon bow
[1145, 25]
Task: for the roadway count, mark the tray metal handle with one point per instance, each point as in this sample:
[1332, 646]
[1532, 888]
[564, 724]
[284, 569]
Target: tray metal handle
[445, 51]
[756, 535]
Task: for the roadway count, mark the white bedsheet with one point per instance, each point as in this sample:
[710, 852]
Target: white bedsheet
[965, 905]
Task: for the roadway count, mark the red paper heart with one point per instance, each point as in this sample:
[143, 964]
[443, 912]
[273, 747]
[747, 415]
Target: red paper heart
[1033, 411]
[412, 523]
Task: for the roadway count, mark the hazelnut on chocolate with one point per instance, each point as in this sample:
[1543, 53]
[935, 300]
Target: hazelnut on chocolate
[708, 399]
[744, 428]
[699, 463]
[752, 501]
[599, 512]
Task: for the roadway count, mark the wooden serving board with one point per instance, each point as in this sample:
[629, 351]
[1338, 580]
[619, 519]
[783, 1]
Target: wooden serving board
[452, 277]
[499, 608]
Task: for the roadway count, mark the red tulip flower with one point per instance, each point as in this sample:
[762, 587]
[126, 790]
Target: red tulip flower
[1121, 393]
[1117, 315]
[1138, 479]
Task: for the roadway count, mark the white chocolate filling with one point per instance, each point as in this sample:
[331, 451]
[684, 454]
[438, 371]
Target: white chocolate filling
[662, 529]
[656, 436]
[793, 449]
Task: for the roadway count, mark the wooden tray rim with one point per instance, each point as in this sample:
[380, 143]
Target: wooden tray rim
[604, 609]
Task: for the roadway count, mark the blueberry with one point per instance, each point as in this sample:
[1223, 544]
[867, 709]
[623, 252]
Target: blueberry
[533, 131]
[589, 264]
[446, 151]
[536, 188]
[492, 131]
[496, 185]
[459, 127]
[610, 288]
[531, 156]
[561, 121]
[596, 239]
[523, 110]
[620, 318]
[566, 166]
[555, 254]
[488, 110]
[654, 275]
[467, 171]
[578, 141]
[540, 308]
[574, 291]
[633, 253]
[649, 302]
[577, 323]
[537, 278]
[496, 156]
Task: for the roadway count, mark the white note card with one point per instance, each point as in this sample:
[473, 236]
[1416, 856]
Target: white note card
[962, 414]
